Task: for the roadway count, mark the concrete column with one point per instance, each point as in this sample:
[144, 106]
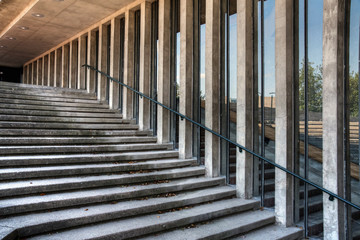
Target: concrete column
[81, 61]
[35, 73]
[52, 69]
[145, 64]
[186, 77]
[65, 66]
[58, 67]
[73, 51]
[333, 117]
[284, 75]
[102, 62]
[212, 87]
[42, 71]
[91, 60]
[24, 74]
[114, 63]
[46, 70]
[39, 71]
[163, 121]
[245, 98]
[129, 63]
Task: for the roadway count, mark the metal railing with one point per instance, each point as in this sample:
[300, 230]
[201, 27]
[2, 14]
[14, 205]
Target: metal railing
[241, 148]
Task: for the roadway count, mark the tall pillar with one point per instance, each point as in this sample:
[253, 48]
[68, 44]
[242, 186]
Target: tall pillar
[38, 72]
[284, 75]
[91, 60]
[333, 117]
[129, 63]
[114, 63]
[186, 77]
[45, 70]
[245, 123]
[145, 64]
[65, 66]
[81, 61]
[35, 73]
[24, 74]
[58, 66]
[51, 69]
[102, 62]
[73, 68]
[212, 87]
[163, 121]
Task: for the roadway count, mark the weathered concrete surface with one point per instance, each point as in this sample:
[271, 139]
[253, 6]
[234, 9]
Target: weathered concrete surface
[81, 61]
[91, 60]
[65, 66]
[129, 63]
[186, 77]
[212, 87]
[163, 121]
[114, 63]
[284, 144]
[58, 67]
[245, 96]
[145, 64]
[46, 70]
[73, 64]
[333, 117]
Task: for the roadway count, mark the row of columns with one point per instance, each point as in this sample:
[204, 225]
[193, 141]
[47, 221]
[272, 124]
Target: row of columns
[62, 68]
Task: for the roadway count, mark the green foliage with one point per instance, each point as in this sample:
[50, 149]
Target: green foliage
[354, 94]
[314, 87]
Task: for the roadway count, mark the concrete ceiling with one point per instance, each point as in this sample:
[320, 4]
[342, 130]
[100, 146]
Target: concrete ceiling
[62, 20]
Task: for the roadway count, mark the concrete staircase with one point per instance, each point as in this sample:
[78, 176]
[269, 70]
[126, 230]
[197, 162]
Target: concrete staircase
[70, 168]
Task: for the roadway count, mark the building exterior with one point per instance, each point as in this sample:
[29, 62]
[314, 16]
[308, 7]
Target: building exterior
[279, 77]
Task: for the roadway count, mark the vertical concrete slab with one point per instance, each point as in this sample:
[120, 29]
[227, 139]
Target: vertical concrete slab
[58, 67]
[52, 69]
[284, 75]
[333, 117]
[25, 77]
[102, 62]
[129, 63]
[145, 63]
[42, 71]
[114, 63]
[245, 98]
[212, 87]
[73, 51]
[65, 66]
[35, 72]
[91, 60]
[46, 70]
[81, 61]
[39, 71]
[186, 77]
[163, 121]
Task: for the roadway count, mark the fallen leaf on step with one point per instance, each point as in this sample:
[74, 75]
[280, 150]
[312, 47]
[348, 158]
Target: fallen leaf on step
[86, 209]
[158, 216]
[42, 194]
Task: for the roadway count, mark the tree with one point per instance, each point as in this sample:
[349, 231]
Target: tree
[314, 87]
[354, 94]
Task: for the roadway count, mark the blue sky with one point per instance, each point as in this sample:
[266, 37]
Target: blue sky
[315, 27]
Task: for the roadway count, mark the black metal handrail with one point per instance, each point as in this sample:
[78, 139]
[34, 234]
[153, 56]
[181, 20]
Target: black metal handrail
[332, 195]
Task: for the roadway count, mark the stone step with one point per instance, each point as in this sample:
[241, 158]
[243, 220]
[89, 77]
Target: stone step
[4, 141]
[48, 92]
[56, 108]
[124, 125]
[139, 226]
[37, 223]
[6, 161]
[71, 132]
[88, 169]
[44, 185]
[63, 149]
[272, 232]
[221, 228]
[150, 190]
[45, 113]
[46, 119]
[48, 98]
[52, 103]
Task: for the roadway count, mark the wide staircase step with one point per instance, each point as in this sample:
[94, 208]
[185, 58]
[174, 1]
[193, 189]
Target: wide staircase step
[70, 168]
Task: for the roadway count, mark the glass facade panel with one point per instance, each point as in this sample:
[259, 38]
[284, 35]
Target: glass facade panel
[354, 117]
